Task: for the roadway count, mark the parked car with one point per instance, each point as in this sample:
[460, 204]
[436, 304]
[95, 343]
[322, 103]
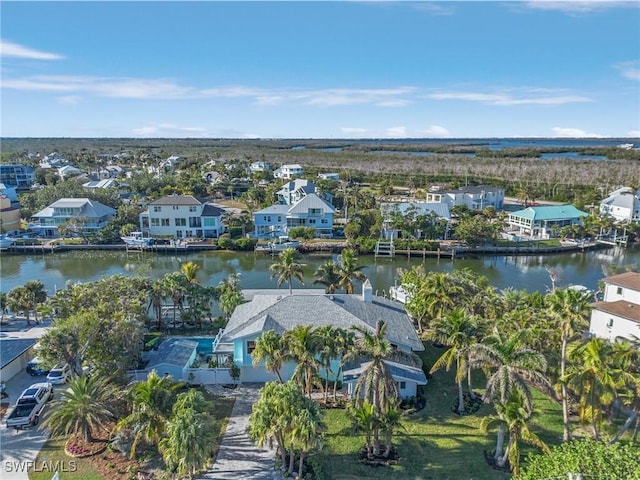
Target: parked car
[59, 374]
[26, 411]
[36, 367]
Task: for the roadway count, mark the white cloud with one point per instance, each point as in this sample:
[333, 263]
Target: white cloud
[437, 131]
[577, 6]
[169, 130]
[522, 97]
[634, 133]
[396, 132]
[569, 132]
[69, 100]
[9, 49]
[630, 70]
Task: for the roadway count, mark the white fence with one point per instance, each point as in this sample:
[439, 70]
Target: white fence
[201, 376]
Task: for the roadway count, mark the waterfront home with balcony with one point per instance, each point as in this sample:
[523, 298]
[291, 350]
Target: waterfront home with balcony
[617, 316]
[93, 215]
[545, 221]
[309, 211]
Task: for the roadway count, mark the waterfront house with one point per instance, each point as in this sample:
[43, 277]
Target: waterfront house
[288, 171]
[545, 221]
[309, 211]
[14, 175]
[435, 212]
[182, 216]
[617, 316]
[622, 205]
[257, 167]
[475, 198]
[280, 311]
[92, 214]
[69, 171]
[294, 191]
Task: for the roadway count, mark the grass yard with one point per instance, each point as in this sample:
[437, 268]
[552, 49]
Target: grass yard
[436, 443]
[114, 465]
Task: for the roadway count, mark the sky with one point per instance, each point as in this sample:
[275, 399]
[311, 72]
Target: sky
[336, 70]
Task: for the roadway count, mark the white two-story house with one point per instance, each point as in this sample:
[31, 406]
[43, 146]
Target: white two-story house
[475, 197]
[182, 216]
[622, 205]
[617, 316]
[309, 211]
[288, 171]
[93, 215]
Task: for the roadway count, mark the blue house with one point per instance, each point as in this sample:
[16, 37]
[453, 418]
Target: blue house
[309, 211]
[544, 221]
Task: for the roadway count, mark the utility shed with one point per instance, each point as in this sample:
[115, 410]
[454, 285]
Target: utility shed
[173, 357]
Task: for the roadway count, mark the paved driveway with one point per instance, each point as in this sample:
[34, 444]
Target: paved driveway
[238, 457]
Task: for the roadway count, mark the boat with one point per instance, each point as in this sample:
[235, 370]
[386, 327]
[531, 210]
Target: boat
[5, 242]
[135, 239]
[399, 293]
[282, 244]
[626, 146]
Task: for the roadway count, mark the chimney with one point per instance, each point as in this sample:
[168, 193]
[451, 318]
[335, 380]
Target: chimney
[367, 291]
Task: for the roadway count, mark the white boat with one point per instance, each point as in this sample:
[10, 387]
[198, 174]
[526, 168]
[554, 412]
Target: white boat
[136, 239]
[282, 244]
[5, 242]
[399, 293]
[626, 146]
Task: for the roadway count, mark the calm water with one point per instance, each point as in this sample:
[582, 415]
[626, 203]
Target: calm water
[529, 273]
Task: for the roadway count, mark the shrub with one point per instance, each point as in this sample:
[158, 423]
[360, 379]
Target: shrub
[225, 241]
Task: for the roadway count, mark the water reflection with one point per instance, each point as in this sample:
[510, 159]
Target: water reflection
[530, 273]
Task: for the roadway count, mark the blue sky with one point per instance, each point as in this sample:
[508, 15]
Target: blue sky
[320, 69]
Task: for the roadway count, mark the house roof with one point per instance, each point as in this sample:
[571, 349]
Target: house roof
[283, 312]
[12, 348]
[474, 189]
[177, 200]
[627, 279]
[398, 371]
[173, 351]
[88, 208]
[422, 208]
[273, 210]
[622, 199]
[109, 182]
[212, 211]
[628, 310]
[306, 186]
[550, 212]
[310, 201]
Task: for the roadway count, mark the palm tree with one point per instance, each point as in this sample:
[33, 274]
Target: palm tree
[328, 275]
[302, 345]
[571, 309]
[83, 407]
[37, 295]
[514, 367]
[157, 297]
[364, 420]
[349, 270]
[186, 446]
[3, 306]
[151, 408]
[306, 434]
[390, 421]
[329, 350]
[175, 286]
[513, 416]
[287, 268]
[270, 348]
[345, 341]
[594, 376]
[456, 330]
[189, 270]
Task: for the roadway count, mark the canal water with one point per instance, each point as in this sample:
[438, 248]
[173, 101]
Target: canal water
[530, 273]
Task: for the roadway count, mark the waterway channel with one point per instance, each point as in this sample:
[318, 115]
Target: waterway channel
[530, 273]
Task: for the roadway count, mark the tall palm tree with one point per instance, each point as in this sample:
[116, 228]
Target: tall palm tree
[457, 331]
[157, 296]
[37, 295]
[349, 270]
[175, 287]
[595, 377]
[513, 416]
[344, 343]
[287, 268]
[303, 344]
[306, 434]
[513, 366]
[571, 309]
[328, 274]
[151, 408]
[329, 351]
[439, 291]
[83, 407]
[270, 348]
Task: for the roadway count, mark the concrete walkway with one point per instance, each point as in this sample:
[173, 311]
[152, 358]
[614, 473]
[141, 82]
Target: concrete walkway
[239, 457]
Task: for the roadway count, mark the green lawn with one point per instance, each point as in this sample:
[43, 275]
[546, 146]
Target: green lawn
[436, 443]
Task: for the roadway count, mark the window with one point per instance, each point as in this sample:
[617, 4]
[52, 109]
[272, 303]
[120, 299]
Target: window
[403, 385]
[251, 346]
[181, 222]
[610, 323]
[157, 208]
[176, 207]
[155, 222]
[193, 208]
[195, 222]
[164, 222]
[619, 290]
[312, 221]
[178, 233]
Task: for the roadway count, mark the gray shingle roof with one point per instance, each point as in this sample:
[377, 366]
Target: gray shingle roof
[398, 371]
[177, 200]
[283, 312]
[173, 351]
[11, 348]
